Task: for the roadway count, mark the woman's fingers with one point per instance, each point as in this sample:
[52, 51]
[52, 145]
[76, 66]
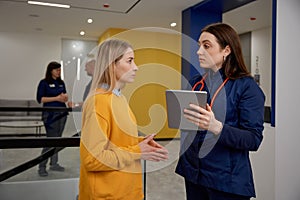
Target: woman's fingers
[155, 156]
[199, 116]
[155, 144]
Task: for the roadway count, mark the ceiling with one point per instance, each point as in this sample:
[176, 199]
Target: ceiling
[18, 16]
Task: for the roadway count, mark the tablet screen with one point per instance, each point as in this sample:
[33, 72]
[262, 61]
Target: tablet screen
[177, 101]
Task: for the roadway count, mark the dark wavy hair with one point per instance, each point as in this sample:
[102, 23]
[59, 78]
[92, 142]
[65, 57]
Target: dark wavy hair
[234, 66]
[48, 76]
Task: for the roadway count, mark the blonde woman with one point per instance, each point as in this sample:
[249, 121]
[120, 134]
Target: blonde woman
[110, 148]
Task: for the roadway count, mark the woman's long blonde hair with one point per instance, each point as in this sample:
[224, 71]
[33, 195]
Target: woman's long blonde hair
[109, 53]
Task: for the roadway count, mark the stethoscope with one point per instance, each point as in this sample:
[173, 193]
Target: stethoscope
[203, 84]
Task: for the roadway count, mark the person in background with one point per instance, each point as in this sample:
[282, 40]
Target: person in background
[89, 68]
[110, 149]
[215, 161]
[52, 92]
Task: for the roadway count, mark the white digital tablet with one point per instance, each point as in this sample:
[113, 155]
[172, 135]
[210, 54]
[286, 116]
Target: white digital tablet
[177, 101]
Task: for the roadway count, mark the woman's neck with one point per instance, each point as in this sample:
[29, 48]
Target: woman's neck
[217, 68]
[119, 85]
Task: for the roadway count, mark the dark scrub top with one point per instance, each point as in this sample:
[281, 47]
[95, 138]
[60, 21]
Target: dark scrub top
[51, 89]
[222, 162]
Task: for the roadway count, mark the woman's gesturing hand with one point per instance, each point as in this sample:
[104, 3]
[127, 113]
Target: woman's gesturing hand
[151, 150]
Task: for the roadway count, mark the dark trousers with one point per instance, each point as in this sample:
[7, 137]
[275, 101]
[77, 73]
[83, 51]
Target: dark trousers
[198, 192]
[54, 129]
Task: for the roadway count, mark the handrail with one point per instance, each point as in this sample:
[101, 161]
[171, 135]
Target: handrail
[57, 145]
[50, 109]
[33, 142]
[14, 135]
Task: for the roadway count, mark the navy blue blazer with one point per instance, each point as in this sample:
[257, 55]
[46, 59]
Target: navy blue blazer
[222, 162]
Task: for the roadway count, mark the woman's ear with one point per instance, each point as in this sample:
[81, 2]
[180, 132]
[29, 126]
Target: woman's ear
[227, 50]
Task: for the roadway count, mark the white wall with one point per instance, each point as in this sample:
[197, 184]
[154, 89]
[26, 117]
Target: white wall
[263, 166]
[261, 45]
[24, 59]
[287, 152]
[263, 161]
[276, 165]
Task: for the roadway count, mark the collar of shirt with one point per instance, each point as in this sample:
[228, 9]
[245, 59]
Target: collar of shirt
[115, 91]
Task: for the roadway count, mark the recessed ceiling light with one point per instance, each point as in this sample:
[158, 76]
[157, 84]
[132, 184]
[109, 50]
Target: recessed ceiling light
[173, 24]
[48, 4]
[106, 5]
[82, 33]
[90, 21]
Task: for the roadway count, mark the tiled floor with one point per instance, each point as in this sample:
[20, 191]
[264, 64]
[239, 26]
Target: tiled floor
[161, 181]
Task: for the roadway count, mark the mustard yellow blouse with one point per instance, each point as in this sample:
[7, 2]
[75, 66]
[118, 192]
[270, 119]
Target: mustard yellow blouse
[109, 152]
